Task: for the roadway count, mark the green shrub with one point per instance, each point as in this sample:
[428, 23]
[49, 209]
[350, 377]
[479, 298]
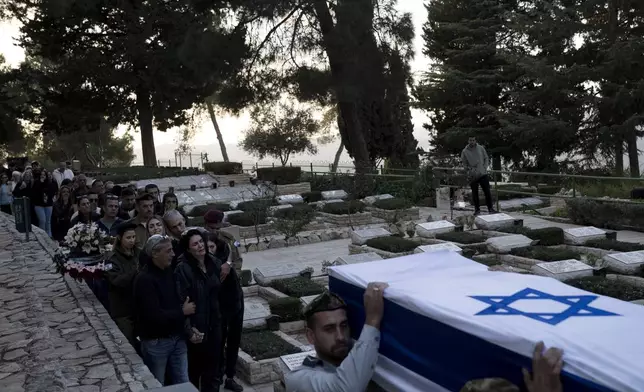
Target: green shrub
[608, 287]
[288, 308]
[547, 236]
[311, 197]
[247, 219]
[461, 237]
[392, 244]
[256, 205]
[393, 204]
[606, 214]
[344, 208]
[546, 254]
[298, 211]
[280, 175]
[265, 344]
[224, 168]
[297, 287]
[560, 213]
[201, 210]
[615, 245]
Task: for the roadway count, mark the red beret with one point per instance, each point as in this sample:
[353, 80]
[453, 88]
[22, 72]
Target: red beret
[213, 216]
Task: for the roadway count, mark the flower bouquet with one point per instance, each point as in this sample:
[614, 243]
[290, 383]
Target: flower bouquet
[83, 251]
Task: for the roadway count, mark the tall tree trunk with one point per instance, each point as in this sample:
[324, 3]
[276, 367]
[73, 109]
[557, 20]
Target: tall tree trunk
[213, 118]
[144, 108]
[336, 160]
[633, 154]
[613, 24]
[619, 158]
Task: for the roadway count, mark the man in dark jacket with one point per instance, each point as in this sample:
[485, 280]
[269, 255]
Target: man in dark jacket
[476, 161]
[160, 316]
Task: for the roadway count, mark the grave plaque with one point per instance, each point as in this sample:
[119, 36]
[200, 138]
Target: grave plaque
[265, 274]
[447, 246]
[506, 243]
[337, 194]
[294, 361]
[493, 221]
[430, 229]
[255, 314]
[290, 199]
[563, 270]
[581, 235]
[626, 263]
[360, 237]
[357, 259]
[372, 199]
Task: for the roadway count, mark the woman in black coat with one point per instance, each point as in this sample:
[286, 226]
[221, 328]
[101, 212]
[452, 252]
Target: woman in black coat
[197, 277]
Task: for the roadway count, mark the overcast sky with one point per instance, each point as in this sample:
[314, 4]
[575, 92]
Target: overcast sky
[233, 127]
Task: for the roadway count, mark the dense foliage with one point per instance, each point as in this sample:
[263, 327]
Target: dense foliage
[392, 244]
[344, 208]
[545, 254]
[288, 308]
[461, 237]
[297, 287]
[266, 345]
[609, 287]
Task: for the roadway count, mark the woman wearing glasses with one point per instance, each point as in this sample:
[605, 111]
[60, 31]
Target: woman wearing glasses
[197, 275]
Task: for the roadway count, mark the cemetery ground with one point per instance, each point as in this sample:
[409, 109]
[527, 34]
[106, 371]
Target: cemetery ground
[282, 272]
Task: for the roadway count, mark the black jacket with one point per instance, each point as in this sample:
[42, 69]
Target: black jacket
[203, 290]
[158, 309]
[42, 193]
[121, 283]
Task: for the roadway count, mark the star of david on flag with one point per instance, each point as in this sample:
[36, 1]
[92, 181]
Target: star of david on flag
[578, 306]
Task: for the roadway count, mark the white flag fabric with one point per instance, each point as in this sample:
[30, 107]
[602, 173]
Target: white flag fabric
[449, 320]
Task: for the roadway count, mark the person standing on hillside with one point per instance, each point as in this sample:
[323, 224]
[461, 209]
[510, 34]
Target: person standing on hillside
[476, 162]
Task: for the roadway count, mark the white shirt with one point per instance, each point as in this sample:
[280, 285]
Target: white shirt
[65, 175]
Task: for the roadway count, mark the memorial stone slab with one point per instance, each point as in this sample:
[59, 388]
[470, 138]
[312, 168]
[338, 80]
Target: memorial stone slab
[447, 246]
[493, 221]
[563, 270]
[337, 194]
[581, 235]
[430, 229]
[255, 314]
[290, 199]
[272, 209]
[357, 258]
[323, 202]
[229, 213]
[505, 244]
[360, 237]
[372, 199]
[443, 200]
[266, 274]
[626, 262]
[294, 361]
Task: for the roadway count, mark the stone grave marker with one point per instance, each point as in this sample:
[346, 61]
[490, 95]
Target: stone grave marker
[493, 221]
[563, 270]
[443, 201]
[337, 194]
[446, 246]
[265, 274]
[430, 229]
[272, 209]
[357, 258]
[506, 243]
[626, 262]
[360, 237]
[290, 199]
[323, 202]
[229, 213]
[372, 199]
[294, 361]
[581, 235]
[255, 314]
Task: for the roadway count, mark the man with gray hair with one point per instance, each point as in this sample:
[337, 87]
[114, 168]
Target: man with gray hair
[175, 224]
[160, 315]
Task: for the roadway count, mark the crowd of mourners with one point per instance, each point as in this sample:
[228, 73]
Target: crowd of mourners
[174, 292]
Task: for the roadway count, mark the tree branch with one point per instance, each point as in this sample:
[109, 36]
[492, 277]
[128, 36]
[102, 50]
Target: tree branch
[298, 21]
[271, 32]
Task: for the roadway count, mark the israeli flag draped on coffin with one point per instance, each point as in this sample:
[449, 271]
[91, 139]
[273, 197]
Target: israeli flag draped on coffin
[449, 320]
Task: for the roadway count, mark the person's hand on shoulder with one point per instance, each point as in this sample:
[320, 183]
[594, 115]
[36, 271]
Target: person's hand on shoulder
[546, 370]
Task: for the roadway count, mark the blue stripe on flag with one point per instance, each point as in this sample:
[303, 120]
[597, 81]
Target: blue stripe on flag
[440, 353]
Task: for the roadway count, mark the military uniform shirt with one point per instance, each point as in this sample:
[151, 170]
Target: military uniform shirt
[353, 374]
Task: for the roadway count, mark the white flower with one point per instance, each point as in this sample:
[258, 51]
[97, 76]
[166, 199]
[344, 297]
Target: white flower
[108, 247]
[87, 248]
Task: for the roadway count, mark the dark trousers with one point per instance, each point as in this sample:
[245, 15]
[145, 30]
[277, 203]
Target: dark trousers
[485, 185]
[231, 332]
[203, 362]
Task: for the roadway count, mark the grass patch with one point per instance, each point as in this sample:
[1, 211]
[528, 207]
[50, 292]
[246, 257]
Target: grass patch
[547, 236]
[288, 308]
[546, 254]
[615, 245]
[298, 211]
[265, 344]
[392, 244]
[608, 287]
[393, 204]
[297, 287]
[247, 219]
[344, 208]
[461, 237]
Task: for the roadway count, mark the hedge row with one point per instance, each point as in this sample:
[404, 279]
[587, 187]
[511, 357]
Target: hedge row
[461, 237]
[547, 236]
[224, 168]
[247, 219]
[298, 211]
[265, 344]
[392, 244]
[393, 204]
[344, 208]
[606, 214]
[546, 254]
[615, 245]
[280, 175]
[610, 288]
[297, 287]
[287, 308]
[256, 205]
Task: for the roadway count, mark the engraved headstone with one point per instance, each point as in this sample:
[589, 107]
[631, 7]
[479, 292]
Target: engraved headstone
[290, 199]
[337, 194]
[506, 243]
[294, 361]
[255, 314]
[493, 221]
[360, 237]
[446, 246]
[265, 274]
[563, 270]
[627, 262]
[372, 199]
[443, 201]
[430, 229]
[357, 258]
[581, 235]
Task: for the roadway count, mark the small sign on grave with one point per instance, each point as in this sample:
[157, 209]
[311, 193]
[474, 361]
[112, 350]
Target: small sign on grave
[447, 246]
[563, 270]
[337, 194]
[506, 243]
[581, 235]
[626, 262]
[430, 229]
[493, 221]
[360, 237]
[294, 361]
[357, 258]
